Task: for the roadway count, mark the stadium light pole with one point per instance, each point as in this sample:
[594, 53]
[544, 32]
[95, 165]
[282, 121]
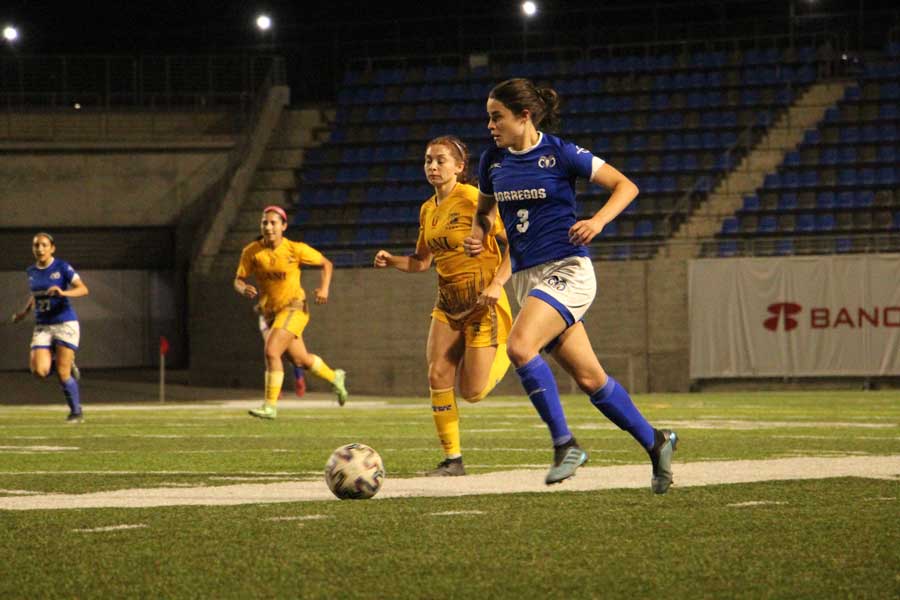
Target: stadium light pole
[10, 34]
[265, 27]
[529, 9]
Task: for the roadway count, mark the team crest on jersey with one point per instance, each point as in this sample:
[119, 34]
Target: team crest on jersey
[56, 275]
[272, 261]
[547, 162]
[557, 283]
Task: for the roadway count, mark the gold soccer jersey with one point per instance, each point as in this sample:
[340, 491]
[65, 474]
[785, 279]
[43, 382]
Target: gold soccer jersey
[443, 227]
[277, 273]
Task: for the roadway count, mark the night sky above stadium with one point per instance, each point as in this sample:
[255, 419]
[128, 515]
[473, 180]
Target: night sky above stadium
[171, 26]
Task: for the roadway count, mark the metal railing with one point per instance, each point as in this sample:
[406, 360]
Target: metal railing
[42, 82]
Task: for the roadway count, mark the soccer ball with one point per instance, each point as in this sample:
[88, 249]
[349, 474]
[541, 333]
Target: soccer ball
[354, 472]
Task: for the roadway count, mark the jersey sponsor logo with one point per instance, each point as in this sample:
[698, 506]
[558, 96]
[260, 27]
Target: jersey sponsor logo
[512, 195]
[547, 162]
[275, 276]
[56, 275]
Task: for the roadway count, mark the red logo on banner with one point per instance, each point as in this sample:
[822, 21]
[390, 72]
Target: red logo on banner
[789, 309]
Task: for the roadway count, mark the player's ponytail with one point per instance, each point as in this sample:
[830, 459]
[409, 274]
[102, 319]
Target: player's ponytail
[519, 95]
[550, 119]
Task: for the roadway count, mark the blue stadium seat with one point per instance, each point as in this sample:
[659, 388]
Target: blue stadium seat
[792, 159]
[863, 199]
[825, 222]
[730, 226]
[825, 200]
[621, 252]
[751, 203]
[644, 228]
[847, 177]
[845, 200]
[842, 245]
[886, 154]
[767, 224]
[809, 178]
[784, 247]
[787, 201]
[805, 223]
[727, 248]
[887, 176]
[811, 137]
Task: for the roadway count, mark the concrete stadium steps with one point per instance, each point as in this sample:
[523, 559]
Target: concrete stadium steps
[782, 137]
[274, 179]
[285, 158]
[273, 182]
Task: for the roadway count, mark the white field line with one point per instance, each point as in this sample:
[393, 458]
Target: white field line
[31, 449]
[501, 482]
[111, 528]
[754, 503]
[453, 513]
[300, 518]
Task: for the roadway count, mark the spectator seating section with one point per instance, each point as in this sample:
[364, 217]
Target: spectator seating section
[840, 190]
[671, 123]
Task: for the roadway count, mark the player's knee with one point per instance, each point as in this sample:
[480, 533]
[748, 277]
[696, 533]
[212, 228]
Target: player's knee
[519, 352]
[39, 371]
[441, 375]
[472, 398]
[588, 383]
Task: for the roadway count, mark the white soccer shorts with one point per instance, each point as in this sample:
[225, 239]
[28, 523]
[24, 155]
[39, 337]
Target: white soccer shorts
[67, 333]
[568, 285]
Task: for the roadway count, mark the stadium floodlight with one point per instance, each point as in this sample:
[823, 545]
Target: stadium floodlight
[529, 8]
[10, 34]
[264, 22]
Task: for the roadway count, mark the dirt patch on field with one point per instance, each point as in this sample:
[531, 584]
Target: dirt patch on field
[505, 482]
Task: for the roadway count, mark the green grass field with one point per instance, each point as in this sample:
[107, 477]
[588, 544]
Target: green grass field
[818, 537]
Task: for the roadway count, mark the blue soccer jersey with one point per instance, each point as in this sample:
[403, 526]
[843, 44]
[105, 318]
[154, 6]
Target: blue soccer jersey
[535, 192]
[51, 309]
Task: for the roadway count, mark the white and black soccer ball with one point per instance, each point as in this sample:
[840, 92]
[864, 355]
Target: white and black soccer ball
[354, 472]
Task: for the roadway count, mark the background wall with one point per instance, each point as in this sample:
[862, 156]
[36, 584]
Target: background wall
[103, 188]
[376, 323]
[121, 319]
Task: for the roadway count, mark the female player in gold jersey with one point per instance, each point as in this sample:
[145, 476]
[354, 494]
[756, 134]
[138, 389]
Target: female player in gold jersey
[274, 262]
[471, 318]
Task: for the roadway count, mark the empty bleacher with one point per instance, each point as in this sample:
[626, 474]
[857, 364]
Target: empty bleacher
[840, 190]
[673, 123]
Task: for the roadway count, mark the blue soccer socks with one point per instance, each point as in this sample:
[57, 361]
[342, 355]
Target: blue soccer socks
[616, 405]
[539, 384]
[73, 396]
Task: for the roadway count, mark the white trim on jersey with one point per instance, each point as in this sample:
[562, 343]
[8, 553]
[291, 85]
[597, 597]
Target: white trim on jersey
[527, 150]
[596, 163]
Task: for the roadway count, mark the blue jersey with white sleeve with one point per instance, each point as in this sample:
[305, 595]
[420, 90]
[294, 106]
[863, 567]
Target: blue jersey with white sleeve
[535, 193]
[51, 309]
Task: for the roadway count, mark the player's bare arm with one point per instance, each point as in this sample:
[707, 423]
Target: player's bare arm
[416, 262]
[490, 295]
[19, 315]
[244, 289]
[325, 282]
[77, 289]
[481, 224]
[623, 192]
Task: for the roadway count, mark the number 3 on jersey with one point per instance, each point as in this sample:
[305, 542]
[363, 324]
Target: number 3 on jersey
[522, 225]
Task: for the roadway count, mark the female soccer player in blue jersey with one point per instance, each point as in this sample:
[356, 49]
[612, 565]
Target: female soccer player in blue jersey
[531, 176]
[56, 333]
